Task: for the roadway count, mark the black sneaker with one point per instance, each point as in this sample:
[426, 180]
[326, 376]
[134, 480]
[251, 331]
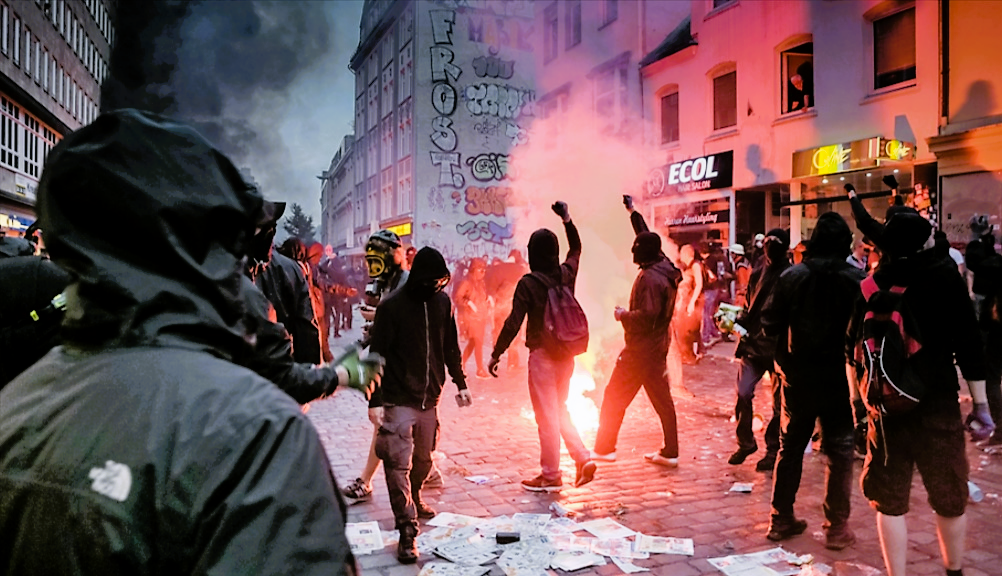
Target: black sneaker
[766, 464]
[739, 456]
[783, 529]
[407, 552]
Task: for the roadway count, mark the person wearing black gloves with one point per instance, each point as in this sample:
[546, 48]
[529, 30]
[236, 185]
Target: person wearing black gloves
[809, 312]
[415, 330]
[866, 223]
[986, 264]
[756, 350]
[930, 437]
[643, 360]
[549, 375]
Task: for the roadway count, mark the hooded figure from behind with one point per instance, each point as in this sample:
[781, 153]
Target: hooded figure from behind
[137, 446]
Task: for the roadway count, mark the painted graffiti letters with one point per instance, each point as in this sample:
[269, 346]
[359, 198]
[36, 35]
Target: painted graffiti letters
[448, 169]
[496, 100]
[442, 22]
[489, 166]
[442, 134]
[494, 32]
[517, 135]
[443, 94]
[485, 230]
[442, 67]
[490, 201]
[443, 98]
[493, 66]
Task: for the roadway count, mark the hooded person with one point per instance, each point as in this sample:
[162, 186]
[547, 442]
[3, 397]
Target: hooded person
[549, 371]
[138, 445]
[808, 313]
[869, 226]
[284, 283]
[756, 350]
[643, 361]
[415, 330]
[936, 309]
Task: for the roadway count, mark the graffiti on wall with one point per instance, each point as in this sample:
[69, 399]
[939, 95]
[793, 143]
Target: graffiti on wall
[497, 32]
[493, 67]
[489, 166]
[486, 230]
[499, 100]
[490, 201]
[443, 93]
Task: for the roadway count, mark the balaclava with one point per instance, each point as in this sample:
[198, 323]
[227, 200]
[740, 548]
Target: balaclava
[646, 248]
[428, 275]
[544, 251]
[831, 238]
[905, 234]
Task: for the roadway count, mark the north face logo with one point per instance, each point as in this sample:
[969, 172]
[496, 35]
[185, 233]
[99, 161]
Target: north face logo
[114, 480]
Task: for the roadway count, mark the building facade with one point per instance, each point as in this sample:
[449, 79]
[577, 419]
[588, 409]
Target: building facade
[338, 225]
[765, 110]
[443, 92]
[53, 56]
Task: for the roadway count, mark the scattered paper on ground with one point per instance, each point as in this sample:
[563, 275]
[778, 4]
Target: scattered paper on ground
[628, 567]
[478, 479]
[450, 569]
[606, 528]
[662, 545]
[571, 561]
[772, 562]
[743, 487]
[454, 520]
[364, 537]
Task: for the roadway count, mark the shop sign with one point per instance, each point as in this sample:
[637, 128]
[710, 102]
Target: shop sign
[25, 186]
[703, 173]
[13, 222]
[401, 229]
[698, 219]
[847, 156]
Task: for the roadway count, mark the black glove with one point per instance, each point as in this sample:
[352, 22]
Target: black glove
[492, 366]
[560, 209]
[891, 182]
[849, 188]
[628, 201]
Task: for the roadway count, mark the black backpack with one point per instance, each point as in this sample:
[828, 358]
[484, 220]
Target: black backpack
[891, 345]
[565, 326]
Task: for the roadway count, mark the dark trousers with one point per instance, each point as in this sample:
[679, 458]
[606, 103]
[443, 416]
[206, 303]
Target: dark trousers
[993, 366]
[749, 373]
[404, 443]
[632, 372]
[824, 396]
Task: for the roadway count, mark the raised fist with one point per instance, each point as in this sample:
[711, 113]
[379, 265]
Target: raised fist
[560, 209]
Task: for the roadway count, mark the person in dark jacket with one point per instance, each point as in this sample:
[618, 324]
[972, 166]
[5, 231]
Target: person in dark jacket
[415, 329]
[549, 375]
[757, 351]
[283, 282]
[127, 449]
[643, 361]
[931, 436]
[501, 280]
[809, 312]
[29, 319]
[985, 263]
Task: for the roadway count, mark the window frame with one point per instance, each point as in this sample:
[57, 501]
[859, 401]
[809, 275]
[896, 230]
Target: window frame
[786, 72]
[572, 23]
[872, 20]
[610, 12]
[662, 98]
[551, 33]
[714, 77]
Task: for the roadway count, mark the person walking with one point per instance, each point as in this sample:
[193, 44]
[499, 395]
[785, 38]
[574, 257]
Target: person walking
[930, 437]
[985, 263]
[808, 313]
[689, 303]
[474, 312]
[643, 360]
[549, 374]
[756, 350]
[415, 331]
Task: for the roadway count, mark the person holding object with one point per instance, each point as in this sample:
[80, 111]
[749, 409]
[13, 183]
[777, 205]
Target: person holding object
[867, 224]
[549, 373]
[643, 360]
[930, 436]
[415, 330]
[139, 446]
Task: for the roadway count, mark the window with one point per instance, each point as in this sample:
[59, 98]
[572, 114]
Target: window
[372, 107]
[27, 51]
[610, 11]
[725, 100]
[53, 82]
[797, 65]
[611, 89]
[387, 99]
[45, 71]
[572, 18]
[38, 61]
[551, 25]
[386, 151]
[386, 194]
[669, 118]
[10, 130]
[404, 188]
[894, 49]
[406, 75]
[4, 15]
[371, 199]
[720, 3]
[405, 131]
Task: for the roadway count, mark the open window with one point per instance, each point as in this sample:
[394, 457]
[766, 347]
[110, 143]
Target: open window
[894, 48]
[797, 65]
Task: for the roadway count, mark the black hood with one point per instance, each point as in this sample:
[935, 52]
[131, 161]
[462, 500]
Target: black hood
[429, 266]
[544, 251]
[646, 248]
[152, 222]
[831, 238]
[11, 246]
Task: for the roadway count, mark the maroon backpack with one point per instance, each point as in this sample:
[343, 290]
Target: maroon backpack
[565, 326]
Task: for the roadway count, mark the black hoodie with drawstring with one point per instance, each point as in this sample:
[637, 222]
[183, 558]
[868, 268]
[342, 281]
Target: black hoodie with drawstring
[415, 331]
[530, 293]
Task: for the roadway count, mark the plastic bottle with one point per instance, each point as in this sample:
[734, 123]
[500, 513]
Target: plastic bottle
[974, 492]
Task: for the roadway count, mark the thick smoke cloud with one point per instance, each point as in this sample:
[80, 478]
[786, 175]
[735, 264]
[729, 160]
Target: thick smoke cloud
[226, 67]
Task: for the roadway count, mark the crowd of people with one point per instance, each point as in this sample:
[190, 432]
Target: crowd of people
[153, 393]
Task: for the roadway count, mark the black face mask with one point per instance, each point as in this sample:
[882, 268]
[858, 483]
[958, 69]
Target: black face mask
[260, 245]
[423, 290]
[775, 251]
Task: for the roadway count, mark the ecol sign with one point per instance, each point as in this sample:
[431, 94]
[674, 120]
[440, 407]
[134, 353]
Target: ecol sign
[703, 173]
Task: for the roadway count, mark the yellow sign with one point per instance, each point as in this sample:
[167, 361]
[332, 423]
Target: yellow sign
[401, 229]
[896, 149]
[829, 159]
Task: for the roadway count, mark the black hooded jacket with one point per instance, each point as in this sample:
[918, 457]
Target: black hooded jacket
[416, 333]
[138, 447]
[757, 345]
[652, 303]
[530, 293]
[283, 282]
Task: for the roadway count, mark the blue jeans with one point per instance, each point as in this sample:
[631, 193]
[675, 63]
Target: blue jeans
[549, 385]
[749, 373]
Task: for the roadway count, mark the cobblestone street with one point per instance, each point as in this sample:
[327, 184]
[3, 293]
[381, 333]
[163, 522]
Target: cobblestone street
[496, 438]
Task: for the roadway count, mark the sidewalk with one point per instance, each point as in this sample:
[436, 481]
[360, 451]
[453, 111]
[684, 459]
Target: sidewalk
[497, 438]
